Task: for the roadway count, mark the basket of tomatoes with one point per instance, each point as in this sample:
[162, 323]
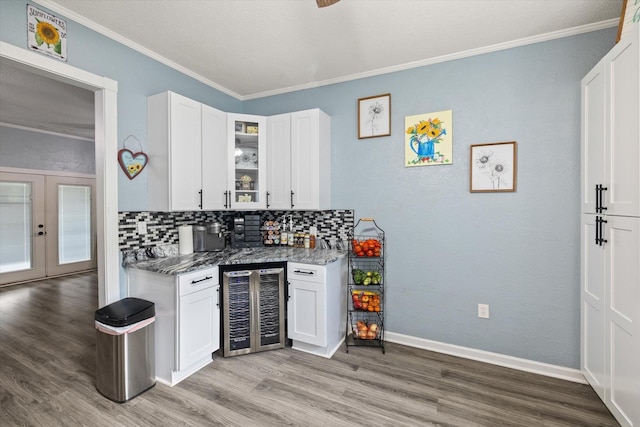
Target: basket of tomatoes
[366, 247]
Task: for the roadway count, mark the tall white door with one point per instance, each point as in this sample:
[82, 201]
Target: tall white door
[22, 227]
[47, 226]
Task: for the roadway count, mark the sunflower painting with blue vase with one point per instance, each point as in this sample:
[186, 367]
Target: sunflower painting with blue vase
[429, 139]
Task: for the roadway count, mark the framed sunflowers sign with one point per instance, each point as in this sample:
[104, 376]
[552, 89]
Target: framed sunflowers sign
[46, 33]
[428, 139]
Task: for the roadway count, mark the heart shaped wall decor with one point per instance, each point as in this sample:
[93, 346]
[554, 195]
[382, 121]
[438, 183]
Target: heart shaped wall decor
[132, 163]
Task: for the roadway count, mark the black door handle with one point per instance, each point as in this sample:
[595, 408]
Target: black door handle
[225, 199]
[200, 205]
[267, 200]
[292, 205]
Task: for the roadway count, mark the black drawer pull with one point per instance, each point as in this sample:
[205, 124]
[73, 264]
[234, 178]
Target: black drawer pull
[193, 282]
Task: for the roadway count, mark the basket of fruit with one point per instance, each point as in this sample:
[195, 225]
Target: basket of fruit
[366, 301]
[364, 331]
[366, 247]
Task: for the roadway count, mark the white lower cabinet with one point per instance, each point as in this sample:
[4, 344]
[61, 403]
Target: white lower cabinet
[317, 306]
[610, 312]
[187, 319]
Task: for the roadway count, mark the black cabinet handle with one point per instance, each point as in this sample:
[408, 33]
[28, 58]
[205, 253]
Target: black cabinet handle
[292, 205]
[598, 230]
[597, 200]
[225, 199]
[602, 208]
[268, 200]
[193, 282]
[602, 241]
[229, 192]
[200, 205]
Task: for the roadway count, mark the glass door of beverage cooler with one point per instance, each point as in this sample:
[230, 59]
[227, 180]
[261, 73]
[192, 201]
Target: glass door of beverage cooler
[247, 175]
[270, 306]
[238, 315]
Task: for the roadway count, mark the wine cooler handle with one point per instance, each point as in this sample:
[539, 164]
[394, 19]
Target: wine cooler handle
[218, 297]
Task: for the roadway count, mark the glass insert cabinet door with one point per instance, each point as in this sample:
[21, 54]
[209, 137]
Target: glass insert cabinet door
[247, 149]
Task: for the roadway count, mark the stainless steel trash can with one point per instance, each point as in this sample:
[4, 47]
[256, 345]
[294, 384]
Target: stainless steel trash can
[125, 349]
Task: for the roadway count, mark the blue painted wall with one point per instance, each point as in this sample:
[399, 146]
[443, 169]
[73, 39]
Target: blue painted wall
[448, 249]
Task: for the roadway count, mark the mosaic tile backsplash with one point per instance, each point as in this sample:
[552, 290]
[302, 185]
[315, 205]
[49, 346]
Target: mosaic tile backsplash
[162, 227]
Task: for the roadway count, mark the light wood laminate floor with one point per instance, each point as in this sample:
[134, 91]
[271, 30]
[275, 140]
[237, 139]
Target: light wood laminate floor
[47, 378]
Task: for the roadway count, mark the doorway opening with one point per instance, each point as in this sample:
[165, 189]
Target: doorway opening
[106, 148]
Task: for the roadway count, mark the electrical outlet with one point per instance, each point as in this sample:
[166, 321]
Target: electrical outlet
[483, 311]
[142, 227]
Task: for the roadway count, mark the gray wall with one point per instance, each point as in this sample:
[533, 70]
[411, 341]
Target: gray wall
[448, 250]
[21, 148]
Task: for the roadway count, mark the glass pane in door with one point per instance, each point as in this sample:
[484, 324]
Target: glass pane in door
[246, 162]
[15, 226]
[74, 223]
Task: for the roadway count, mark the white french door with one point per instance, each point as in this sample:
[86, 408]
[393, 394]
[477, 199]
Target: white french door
[22, 233]
[47, 226]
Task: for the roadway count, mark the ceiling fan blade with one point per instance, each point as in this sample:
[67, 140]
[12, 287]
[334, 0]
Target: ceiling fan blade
[323, 3]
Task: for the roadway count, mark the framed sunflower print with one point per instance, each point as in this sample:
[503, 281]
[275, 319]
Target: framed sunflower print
[493, 167]
[374, 116]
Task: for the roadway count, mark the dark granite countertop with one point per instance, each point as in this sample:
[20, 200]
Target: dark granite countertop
[166, 260]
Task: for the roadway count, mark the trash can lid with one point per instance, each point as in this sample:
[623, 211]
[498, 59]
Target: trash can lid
[125, 312]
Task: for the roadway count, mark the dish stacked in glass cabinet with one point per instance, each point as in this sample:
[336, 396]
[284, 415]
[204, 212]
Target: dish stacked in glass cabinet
[365, 307]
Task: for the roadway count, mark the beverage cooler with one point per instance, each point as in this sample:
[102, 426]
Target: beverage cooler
[253, 306]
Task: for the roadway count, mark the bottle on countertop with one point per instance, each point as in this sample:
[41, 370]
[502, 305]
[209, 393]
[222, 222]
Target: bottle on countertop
[312, 241]
[284, 236]
[307, 241]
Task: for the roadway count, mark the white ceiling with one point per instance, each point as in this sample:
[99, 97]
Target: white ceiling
[254, 48]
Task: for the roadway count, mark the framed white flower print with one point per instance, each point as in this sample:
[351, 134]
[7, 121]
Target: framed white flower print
[374, 116]
[493, 167]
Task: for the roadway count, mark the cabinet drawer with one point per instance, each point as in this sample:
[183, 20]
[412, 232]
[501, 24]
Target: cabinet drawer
[197, 280]
[306, 272]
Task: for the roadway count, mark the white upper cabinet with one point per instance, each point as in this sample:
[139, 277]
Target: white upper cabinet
[279, 162]
[299, 159]
[201, 158]
[215, 158]
[247, 161]
[610, 132]
[176, 126]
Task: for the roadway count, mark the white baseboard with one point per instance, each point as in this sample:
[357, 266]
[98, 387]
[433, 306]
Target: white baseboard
[526, 365]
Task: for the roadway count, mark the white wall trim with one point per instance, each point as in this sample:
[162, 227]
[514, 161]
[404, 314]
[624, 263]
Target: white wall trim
[459, 55]
[106, 140]
[526, 365]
